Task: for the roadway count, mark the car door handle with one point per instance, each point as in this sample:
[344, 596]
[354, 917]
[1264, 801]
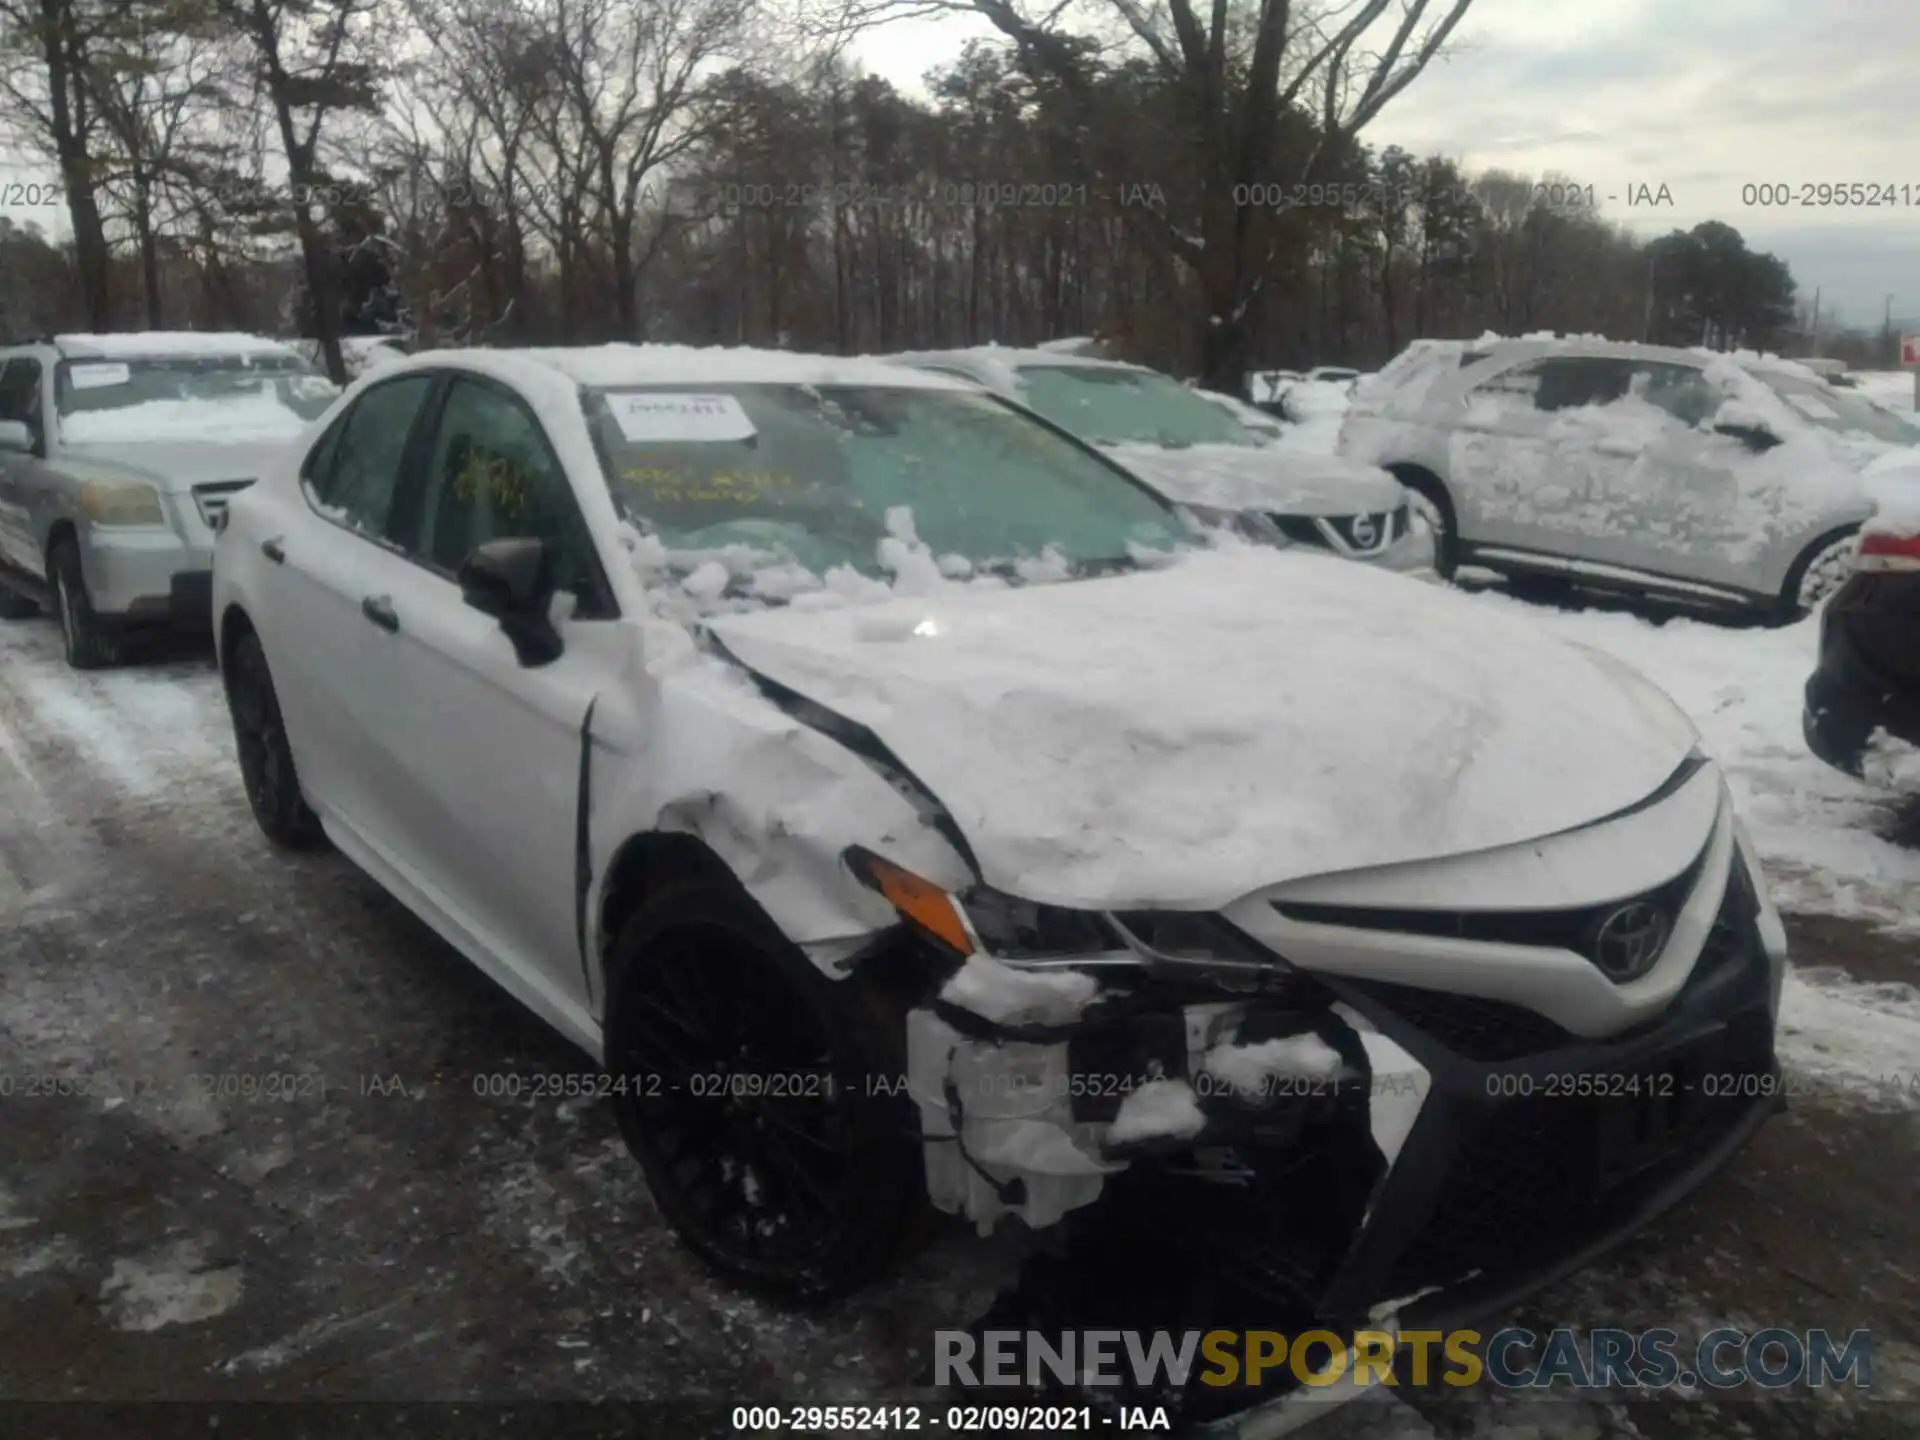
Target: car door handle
[379, 609]
[1618, 447]
[274, 551]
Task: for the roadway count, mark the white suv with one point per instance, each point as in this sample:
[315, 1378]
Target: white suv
[879, 786]
[1672, 472]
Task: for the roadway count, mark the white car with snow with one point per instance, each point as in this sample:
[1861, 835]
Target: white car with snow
[1677, 473]
[1198, 453]
[900, 807]
[117, 453]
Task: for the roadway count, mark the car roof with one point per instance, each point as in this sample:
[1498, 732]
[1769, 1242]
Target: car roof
[168, 344]
[611, 366]
[984, 358]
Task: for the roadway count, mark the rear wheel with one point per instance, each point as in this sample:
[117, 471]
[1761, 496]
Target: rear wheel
[88, 645]
[266, 759]
[754, 1092]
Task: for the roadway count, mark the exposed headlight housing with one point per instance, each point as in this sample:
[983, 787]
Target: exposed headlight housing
[122, 505]
[988, 921]
[983, 919]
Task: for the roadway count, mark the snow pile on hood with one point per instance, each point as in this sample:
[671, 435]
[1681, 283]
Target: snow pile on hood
[688, 586]
[1241, 718]
[1251, 1070]
[1158, 1110]
[1008, 996]
[1292, 479]
[241, 418]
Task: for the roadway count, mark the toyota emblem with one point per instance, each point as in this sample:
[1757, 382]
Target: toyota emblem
[1630, 940]
[1365, 532]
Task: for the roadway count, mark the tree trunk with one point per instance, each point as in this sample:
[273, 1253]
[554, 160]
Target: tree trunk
[59, 46]
[149, 250]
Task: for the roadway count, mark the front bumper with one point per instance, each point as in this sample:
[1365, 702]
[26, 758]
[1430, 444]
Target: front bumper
[1481, 1152]
[141, 577]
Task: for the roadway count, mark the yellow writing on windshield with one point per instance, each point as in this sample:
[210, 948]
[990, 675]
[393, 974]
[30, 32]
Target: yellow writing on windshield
[723, 487]
[499, 479]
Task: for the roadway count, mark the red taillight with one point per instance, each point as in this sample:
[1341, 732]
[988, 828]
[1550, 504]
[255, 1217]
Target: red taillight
[1889, 552]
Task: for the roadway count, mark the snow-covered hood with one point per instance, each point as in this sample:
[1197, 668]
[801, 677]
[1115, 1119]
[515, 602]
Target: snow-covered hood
[1271, 478]
[176, 466]
[1242, 718]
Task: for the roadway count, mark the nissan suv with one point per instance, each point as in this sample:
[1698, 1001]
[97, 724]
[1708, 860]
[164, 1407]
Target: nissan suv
[1728, 481]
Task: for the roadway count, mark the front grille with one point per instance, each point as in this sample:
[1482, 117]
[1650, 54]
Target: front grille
[1577, 930]
[211, 499]
[1362, 534]
[1302, 530]
[1491, 1032]
[1538, 1175]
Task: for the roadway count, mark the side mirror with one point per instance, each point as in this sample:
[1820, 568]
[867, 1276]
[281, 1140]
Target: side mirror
[513, 580]
[1754, 437]
[14, 435]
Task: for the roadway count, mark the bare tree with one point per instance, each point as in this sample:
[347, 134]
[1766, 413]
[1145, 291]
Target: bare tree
[46, 49]
[313, 60]
[1242, 75]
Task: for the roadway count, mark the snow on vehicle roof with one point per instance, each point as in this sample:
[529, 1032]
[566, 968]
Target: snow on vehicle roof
[1013, 356]
[607, 366]
[164, 344]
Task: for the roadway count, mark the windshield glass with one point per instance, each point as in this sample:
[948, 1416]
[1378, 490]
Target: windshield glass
[202, 397]
[809, 473]
[1120, 406]
[1833, 409]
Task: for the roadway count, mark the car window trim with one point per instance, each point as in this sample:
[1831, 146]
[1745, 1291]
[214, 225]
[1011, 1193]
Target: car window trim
[331, 435]
[608, 602]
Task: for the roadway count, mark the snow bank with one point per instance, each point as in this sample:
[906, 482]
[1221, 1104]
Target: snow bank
[1007, 996]
[1158, 1110]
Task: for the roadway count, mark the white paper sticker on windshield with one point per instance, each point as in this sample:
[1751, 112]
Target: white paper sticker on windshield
[654, 416]
[97, 376]
[1811, 407]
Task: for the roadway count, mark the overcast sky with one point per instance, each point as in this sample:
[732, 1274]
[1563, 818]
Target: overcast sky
[1702, 98]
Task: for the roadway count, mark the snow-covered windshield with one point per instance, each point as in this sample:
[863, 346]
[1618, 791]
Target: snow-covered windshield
[197, 397]
[1833, 409]
[809, 473]
[1117, 407]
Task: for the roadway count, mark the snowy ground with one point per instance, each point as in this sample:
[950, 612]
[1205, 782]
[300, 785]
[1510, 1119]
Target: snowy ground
[412, 1233]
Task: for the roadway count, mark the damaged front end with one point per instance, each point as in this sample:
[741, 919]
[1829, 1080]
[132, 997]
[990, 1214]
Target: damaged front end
[1070, 1056]
[1277, 1150]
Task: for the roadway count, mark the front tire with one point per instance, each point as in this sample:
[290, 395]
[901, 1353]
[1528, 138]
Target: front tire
[266, 757]
[87, 643]
[1429, 501]
[799, 1196]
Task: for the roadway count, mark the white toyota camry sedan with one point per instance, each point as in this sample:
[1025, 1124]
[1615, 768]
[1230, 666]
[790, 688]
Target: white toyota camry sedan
[900, 808]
